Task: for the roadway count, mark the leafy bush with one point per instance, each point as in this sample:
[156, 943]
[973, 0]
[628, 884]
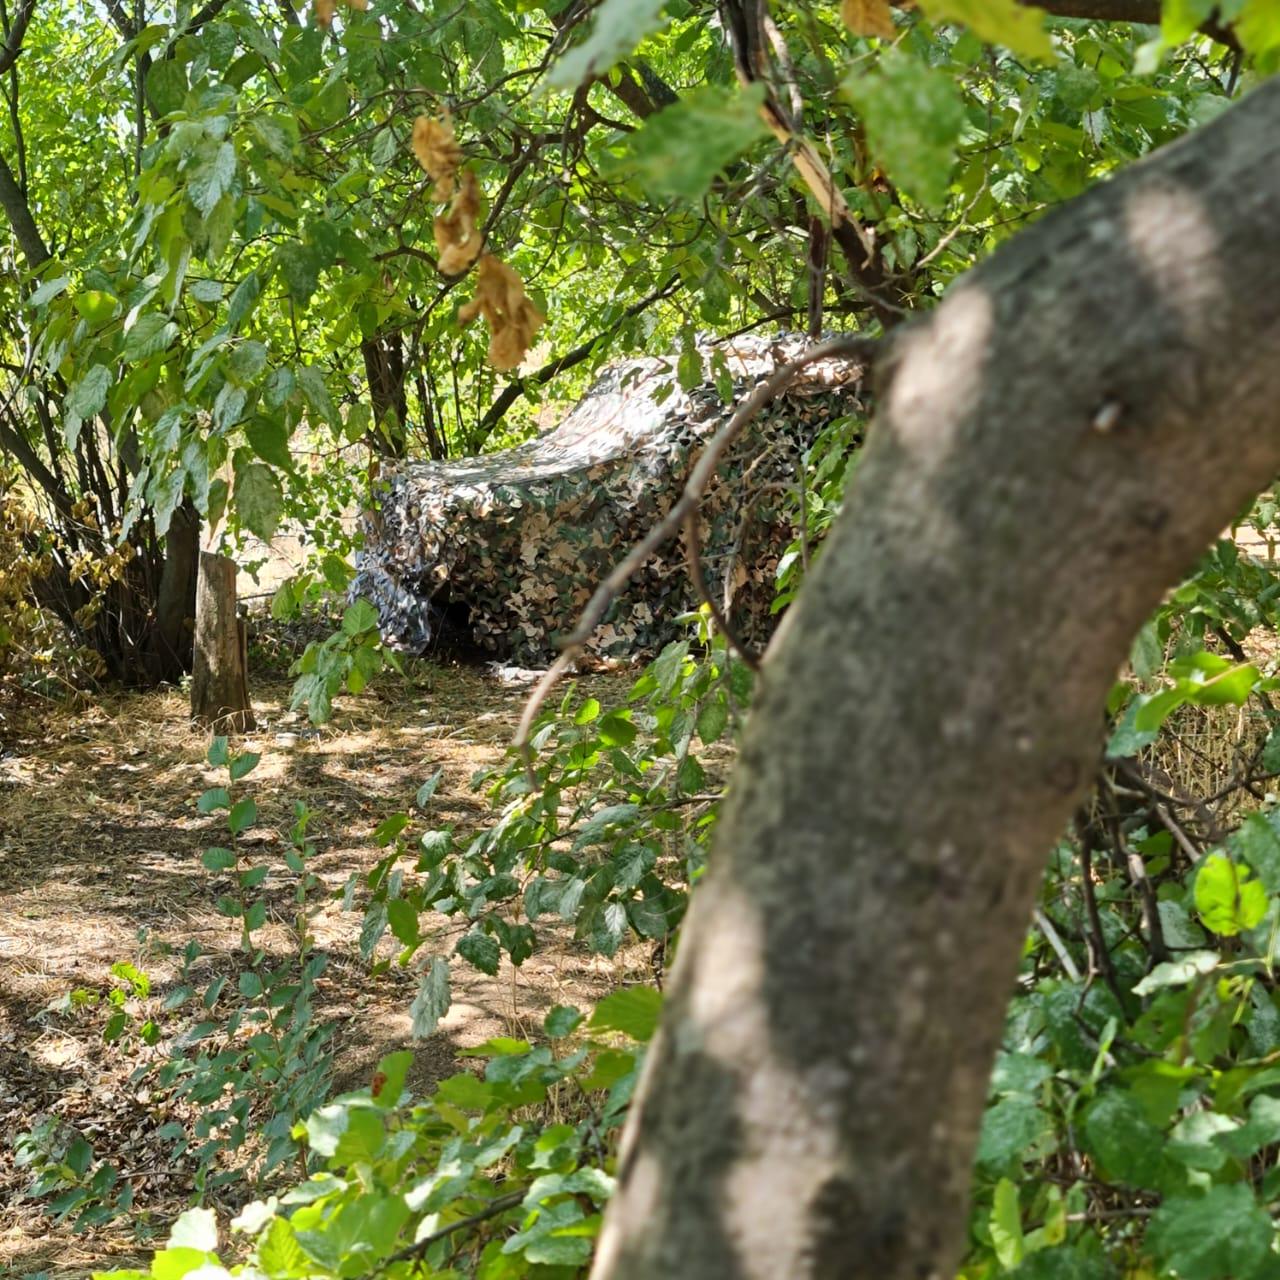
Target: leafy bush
[604, 831]
[496, 1177]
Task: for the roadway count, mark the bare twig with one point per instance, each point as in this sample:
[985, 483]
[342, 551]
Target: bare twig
[1054, 939]
[1099, 954]
[848, 345]
[419, 1247]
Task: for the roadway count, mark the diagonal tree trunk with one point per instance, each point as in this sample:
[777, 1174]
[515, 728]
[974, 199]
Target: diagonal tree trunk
[1055, 446]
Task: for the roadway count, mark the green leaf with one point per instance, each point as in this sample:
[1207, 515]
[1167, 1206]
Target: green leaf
[1156, 709]
[48, 291]
[1178, 973]
[619, 26]
[279, 1253]
[212, 178]
[913, 116]
[325, 1127]
[218, 859]
[1220, 1235]
[388, 1080]
[258, 499]
[244, 764]
[166, 85]
[616, 729]
[315, 393]
[1006, 1225]
[1127, 739]
[561, 1021]
[228, 408]
[195, 1229]
[480, 950]
[1258, 27]
[713, 718]
[214, 798]
[433, 999]
[85, 397]
[300, 265]
[359, 618]
[1257, 843]
[269, 439]
[1009, 1129]
[1121, 1138]
[96, 306]
[243, 299]
[403, 919]
[247, 362]
[389, 828]
[1179, 19]
[1147, 653]
[133, 978]
[1019, 1073]
[153, 333]
[217, 753]
[634, 1011]
[1007, 22]
[679, 150]
[428, 789]
[1232, 687]
[1228, 899]
[244, 813]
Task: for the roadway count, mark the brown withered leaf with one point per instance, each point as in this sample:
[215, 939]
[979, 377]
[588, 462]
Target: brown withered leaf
[324, 11]
[457, 231]
[438, 153]
[511, 317]
[362, 5]
[868, 18]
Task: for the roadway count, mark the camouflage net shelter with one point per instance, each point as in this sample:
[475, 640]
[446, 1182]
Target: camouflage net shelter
[504, 550]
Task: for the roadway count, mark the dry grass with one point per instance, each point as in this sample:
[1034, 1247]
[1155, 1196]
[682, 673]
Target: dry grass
[100, 838]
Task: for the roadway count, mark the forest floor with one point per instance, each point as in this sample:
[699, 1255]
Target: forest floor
[100, 844]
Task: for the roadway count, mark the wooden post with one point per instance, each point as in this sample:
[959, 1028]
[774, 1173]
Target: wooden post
[220, 673]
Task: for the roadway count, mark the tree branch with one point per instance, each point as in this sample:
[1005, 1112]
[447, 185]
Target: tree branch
[18, 211]
[1145, 12]
[12, 46]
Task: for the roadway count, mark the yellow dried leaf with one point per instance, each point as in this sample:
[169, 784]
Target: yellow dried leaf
[324, 11]
[511, 317]
[438, 153]
[868, 18]
[362, 5]
[457, 232]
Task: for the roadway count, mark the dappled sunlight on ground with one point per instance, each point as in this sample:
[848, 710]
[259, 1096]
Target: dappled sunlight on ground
[100, 845]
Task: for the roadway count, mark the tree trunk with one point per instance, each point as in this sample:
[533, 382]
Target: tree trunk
[1055, 446]
[384, 369]
[220, 675]
[170, 648]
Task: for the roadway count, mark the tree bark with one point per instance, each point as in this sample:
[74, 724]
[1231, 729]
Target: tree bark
[384, 371]
[18, 211]
[171, 643]
[220, 674]
[1055, 446]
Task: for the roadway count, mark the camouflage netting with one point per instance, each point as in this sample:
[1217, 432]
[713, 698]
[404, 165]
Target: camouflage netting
[510, 546]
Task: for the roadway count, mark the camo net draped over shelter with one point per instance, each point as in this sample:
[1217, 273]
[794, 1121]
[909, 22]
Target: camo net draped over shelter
[510, 546]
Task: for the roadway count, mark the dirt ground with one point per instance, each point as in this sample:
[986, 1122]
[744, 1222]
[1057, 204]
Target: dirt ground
[100, 839]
